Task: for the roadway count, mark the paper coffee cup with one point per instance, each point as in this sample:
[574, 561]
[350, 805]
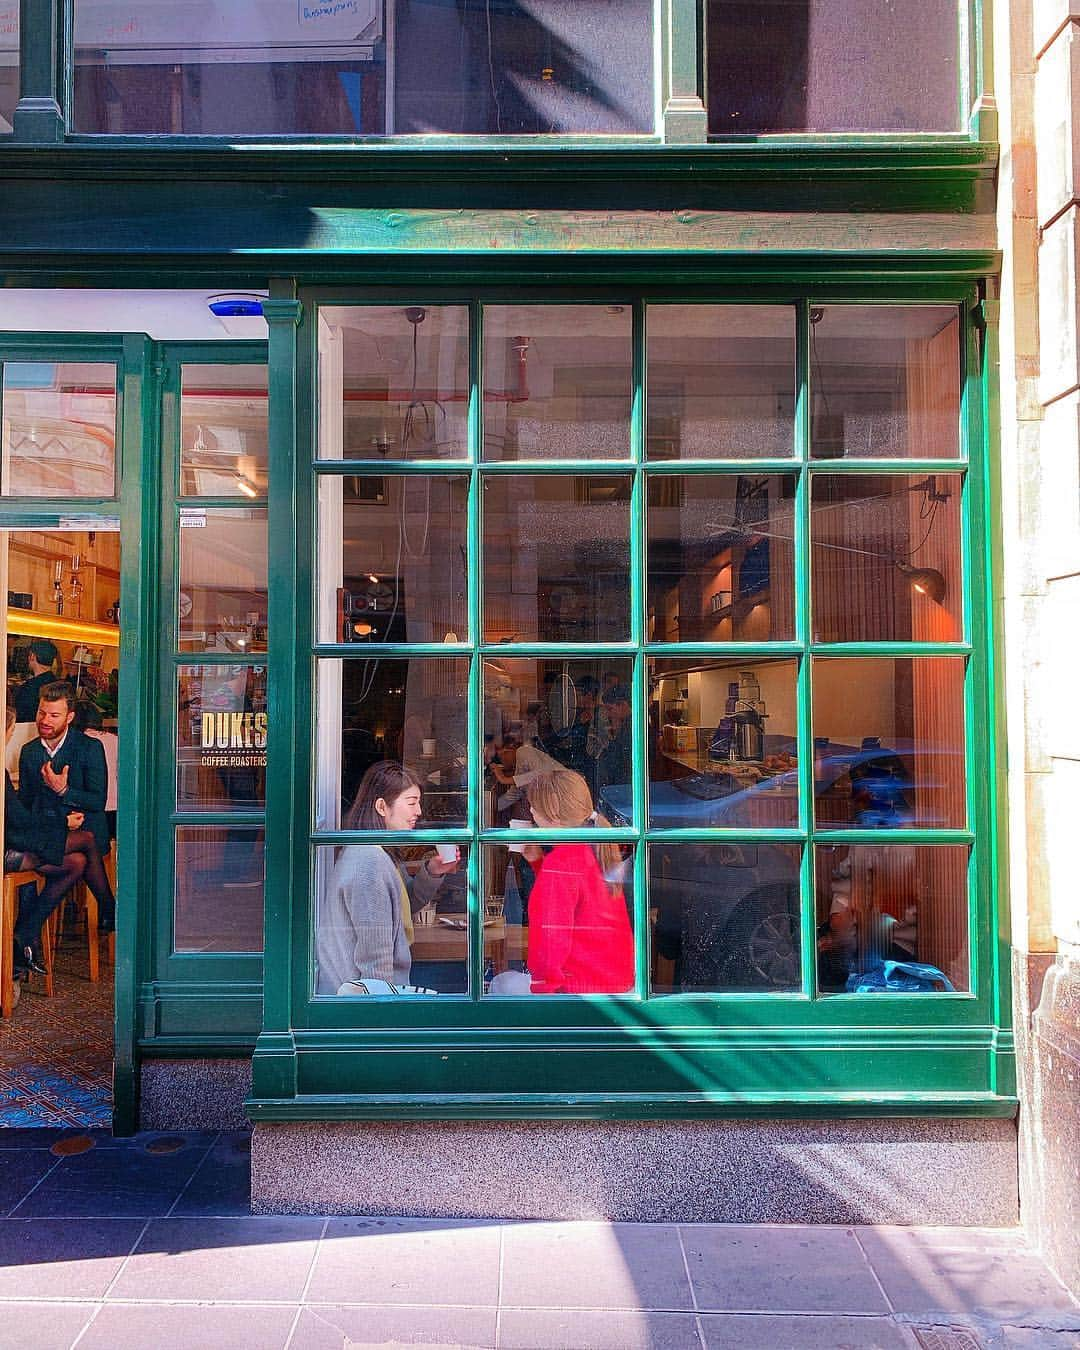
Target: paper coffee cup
[448, 853]
[516, 824]
[427, 749]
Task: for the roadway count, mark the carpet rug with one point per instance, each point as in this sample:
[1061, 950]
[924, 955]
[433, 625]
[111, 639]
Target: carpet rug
[56, 1054]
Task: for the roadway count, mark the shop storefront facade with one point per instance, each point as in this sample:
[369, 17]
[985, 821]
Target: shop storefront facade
[580, 425]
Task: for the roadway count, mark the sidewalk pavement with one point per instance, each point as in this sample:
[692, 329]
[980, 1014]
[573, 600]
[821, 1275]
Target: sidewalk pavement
[107, 1244]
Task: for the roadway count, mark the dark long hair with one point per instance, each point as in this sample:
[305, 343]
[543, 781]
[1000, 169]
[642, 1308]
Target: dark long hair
[388, 779]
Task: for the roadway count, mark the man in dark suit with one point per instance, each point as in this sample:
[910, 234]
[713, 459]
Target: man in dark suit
[64, 772]
[40, 657]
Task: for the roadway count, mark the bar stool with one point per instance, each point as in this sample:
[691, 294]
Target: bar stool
[12, 882]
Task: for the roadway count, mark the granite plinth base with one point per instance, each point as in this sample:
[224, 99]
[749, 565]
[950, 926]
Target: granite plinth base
[1047, 990]
[194, 1094]
[902, 1171]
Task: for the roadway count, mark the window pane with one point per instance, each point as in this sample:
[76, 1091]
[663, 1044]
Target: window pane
[275, 67]
[557, 381]
[889, 742]
[886, 558]
[393, 382]
[722, 744]
[392, 561]
[9, 63]
[545, 715]
[413, 713]
[559, 920]
[720, 558]
[721, 381]
[885, 382]
[221, 733]
[726, 918]
[556, 558]
[222, 599]
[878, 903]
[218, 903]
[391, 921]
[365, 68]
[832, 65]
[523, 66]
[59, 429]
[223, 431]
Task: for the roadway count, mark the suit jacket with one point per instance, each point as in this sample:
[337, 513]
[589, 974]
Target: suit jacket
[88, 781]
[28, 696]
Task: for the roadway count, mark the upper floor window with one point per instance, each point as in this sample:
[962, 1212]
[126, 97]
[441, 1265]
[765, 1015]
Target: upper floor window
[362, 67]
[832, 65]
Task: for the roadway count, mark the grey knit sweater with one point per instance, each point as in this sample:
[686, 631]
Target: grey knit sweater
[361, 932]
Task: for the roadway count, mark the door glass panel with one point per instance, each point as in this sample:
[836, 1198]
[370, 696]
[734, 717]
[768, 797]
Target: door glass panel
[218, 900]
[223, 578]
[720, 558]
[556, 558]
[391, 921]
[223, 431]
[885, 558]
[889, 742]
[832, 65]
[221, 734]
[413, 713]
[722, 743]
[891, 902]
[721, 381]
[557, 381]
[59, 429]
[393, 382]
[559, 918]
[392, 561]
[544, 715]
[725, 918]
[9, 62]
[885, 381]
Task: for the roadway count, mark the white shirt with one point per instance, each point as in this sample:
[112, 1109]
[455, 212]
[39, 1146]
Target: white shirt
[53, 750]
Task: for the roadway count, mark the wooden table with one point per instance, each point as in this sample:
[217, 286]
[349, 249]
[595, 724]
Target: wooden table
[503, 942]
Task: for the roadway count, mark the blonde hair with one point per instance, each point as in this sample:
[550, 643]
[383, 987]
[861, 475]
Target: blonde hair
[11, 715]
[564, 797]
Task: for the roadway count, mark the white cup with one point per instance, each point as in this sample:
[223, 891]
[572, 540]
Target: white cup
[516, 824]
[427, 749]
[426, 917]
[448, 853]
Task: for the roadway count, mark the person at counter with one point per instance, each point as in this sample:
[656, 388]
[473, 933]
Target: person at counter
[365, 914]
[615, 757]
[515, 764]
[41, 658]
[579, 931]
[64, 772]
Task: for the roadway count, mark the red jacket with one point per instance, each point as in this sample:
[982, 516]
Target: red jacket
[579, 932]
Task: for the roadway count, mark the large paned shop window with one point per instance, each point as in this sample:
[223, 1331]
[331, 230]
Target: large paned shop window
[363, 67]
[833, 65]
[627, 640]
[9, 62]
[219, 656]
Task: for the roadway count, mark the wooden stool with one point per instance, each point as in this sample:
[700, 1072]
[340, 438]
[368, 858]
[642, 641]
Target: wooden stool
[12, 882]
[86, 902]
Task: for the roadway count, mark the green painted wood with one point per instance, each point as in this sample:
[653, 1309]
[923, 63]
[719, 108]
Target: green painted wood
[38, 116]
[682, 91]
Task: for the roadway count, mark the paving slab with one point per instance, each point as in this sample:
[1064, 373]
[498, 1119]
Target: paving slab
[222, 1183]
[919, 1276]
[20, 1171]
[179, 1326]
[818, 1331]
[227, 1260]
[329, 1328]
[54, 1258]
[594, 1265]
[44, 1326]
[115, 1181]
[758, 1268]
[585, 1329]
[448, 1262]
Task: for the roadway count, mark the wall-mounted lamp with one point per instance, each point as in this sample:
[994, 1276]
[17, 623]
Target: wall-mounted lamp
[927, 581]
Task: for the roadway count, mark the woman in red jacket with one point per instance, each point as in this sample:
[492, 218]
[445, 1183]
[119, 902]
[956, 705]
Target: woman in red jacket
[579, 933]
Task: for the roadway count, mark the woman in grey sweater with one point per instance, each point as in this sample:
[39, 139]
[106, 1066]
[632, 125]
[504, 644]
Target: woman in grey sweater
[365, 911]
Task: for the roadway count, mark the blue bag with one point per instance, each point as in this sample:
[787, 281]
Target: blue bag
[899, 977]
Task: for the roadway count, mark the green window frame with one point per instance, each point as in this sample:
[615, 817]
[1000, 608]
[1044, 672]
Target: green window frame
[43, 115]
[676, 1054]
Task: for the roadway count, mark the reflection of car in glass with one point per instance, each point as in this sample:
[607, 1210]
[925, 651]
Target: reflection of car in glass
[880, 782]
[727, 915]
